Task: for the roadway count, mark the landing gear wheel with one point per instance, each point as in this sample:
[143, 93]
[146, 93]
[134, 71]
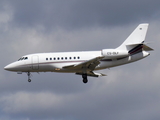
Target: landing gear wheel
[85, 80]
[84, 76]
[29, 80]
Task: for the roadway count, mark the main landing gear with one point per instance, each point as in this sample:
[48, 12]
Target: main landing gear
[29, 76]
[84, 76]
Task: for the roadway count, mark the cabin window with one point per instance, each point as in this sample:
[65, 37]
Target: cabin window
[54, 58]
[23, 58]
[70, 57]
[66, 58]
[50, 58]
[46, 58]
[74, 57]
[78, 57]
[58, 58]
[26, 58]
[61, 58]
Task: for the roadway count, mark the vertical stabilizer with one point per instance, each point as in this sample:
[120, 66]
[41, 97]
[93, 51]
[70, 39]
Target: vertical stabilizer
[135, 38]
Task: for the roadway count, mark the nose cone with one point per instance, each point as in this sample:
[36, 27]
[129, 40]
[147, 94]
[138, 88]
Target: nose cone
[10, 67]
[6, 67]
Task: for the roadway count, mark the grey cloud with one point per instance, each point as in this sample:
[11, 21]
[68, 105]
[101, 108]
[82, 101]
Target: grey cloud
[73, 14]
[124, 97]
[128, 92]
[128, 98]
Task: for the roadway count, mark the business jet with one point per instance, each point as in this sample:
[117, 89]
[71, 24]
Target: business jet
[85, 63]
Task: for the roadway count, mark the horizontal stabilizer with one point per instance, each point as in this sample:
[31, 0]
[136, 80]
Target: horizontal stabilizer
[146, 48]
[132, 44]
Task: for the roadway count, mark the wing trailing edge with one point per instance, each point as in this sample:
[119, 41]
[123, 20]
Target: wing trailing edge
[92, 74]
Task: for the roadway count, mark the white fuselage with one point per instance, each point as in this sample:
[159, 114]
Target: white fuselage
[54, 62]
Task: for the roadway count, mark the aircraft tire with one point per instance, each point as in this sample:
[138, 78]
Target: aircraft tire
[29, 80]
[85, 80]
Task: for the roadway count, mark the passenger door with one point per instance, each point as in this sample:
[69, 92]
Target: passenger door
[35, 62]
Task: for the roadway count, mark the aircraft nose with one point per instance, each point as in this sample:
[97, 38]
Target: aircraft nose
[10, 67]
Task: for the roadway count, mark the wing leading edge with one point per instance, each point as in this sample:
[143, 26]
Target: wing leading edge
[90, 64]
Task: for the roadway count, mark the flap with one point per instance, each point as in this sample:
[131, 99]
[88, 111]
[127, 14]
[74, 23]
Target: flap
[92, 74]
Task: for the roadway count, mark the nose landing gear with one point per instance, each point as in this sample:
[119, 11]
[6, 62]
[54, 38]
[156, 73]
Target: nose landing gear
[29, 76]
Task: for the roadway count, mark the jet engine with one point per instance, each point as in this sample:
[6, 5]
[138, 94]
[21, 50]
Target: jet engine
[113, 53]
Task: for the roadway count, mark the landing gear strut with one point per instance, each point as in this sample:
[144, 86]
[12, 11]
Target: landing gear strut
[84, 76]
[29, 76]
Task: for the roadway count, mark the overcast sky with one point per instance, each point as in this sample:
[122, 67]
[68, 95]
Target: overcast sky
[129, 92]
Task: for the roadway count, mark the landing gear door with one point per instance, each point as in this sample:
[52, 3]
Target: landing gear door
[35, 62]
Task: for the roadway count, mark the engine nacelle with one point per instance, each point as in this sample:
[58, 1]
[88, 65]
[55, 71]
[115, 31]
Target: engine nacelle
[113, 53]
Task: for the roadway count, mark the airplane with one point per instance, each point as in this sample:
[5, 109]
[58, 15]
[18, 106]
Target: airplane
[84, 63]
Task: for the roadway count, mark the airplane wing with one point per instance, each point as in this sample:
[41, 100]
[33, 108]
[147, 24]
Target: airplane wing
[89, 64]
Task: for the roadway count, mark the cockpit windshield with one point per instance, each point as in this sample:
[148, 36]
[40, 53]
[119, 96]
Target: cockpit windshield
[22, 58]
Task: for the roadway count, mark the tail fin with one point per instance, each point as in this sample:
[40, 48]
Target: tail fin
[137, 37]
